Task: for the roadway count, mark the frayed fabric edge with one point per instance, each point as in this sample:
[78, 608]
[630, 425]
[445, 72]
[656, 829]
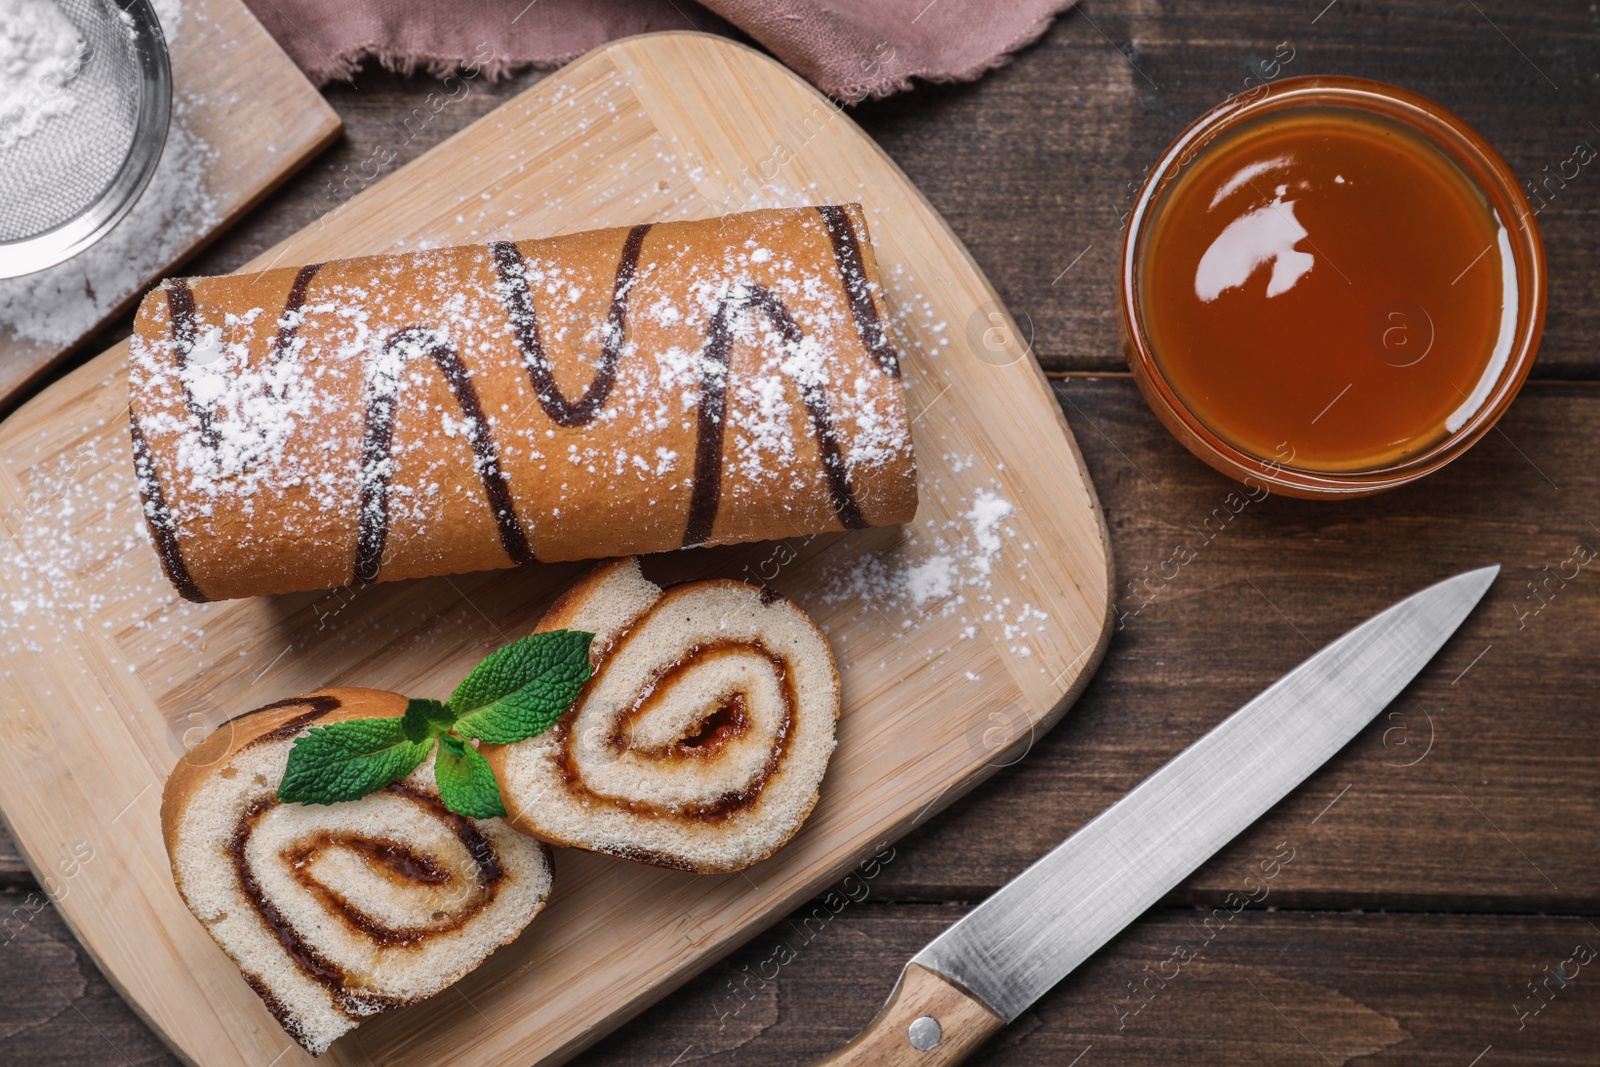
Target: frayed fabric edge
[344, 66]
[906, 81]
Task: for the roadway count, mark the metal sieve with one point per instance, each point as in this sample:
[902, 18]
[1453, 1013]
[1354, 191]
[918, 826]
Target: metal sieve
[78, 147]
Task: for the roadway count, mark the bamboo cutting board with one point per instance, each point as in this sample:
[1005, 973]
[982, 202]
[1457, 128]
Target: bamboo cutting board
[243, 119]
[106, 677]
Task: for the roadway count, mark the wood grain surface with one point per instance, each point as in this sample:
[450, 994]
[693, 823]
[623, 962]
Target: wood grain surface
[244, 118]
[1442, 863]
[662, 127]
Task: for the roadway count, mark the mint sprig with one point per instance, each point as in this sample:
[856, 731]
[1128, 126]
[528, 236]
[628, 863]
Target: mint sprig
[426, 719]
[521, 690]
[465, 779]
[348, 760]
[517, 692]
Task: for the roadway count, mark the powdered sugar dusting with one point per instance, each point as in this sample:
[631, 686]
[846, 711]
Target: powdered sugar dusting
[74, 554]
[945, 567]
[960, 559]
[41, 52]
[988, 511]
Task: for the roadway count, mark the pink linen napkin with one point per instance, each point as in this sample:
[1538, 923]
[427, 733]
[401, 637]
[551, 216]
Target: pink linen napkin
[849, 50]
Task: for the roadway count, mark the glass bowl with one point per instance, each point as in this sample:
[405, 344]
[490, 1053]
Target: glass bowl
[1459, 143]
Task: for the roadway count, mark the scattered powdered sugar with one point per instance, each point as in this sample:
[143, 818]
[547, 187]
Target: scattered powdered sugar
[943, 566]
[988, 511]
[959, 559]
[933, 579]
[946, 568]
[74, 548]
[41, 51]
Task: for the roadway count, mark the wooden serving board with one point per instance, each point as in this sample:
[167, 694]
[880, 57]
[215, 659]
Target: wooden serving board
[244, 118]
[107, 676]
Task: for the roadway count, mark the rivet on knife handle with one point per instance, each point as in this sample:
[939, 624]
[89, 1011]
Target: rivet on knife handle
[929, 1021]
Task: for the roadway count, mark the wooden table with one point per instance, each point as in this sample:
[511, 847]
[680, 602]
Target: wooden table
[1435, 878]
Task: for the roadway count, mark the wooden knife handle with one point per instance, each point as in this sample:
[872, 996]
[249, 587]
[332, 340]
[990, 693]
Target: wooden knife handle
[928, 1022]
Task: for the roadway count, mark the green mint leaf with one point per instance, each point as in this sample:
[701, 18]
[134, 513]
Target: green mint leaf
[427, 719]
[347, 760]
[465, 779]
[522, 689]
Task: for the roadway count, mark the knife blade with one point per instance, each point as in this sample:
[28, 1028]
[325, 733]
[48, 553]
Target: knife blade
[1002, 956]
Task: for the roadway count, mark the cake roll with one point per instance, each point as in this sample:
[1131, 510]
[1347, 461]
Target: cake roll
[336, 912]
[599, 394]
[702, 737]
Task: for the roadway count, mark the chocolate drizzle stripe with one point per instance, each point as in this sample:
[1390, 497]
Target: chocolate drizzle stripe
[159, 518]
[706, 486]
[323, 703]
[853, 275]
[511, 270]
[185, 328]
[377, 452]
[706, 493]
[289, 322]
[706, 489]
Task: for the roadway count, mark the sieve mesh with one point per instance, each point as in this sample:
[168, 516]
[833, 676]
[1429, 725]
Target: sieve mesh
[63, 146]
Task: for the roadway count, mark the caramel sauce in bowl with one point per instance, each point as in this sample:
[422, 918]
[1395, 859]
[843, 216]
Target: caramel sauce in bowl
[1330, 286]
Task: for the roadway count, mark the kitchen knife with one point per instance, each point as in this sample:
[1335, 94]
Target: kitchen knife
[988, 968]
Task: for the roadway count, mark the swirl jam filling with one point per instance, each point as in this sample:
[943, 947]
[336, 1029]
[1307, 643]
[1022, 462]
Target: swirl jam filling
[729, 719]
[299, 873]
[710, 752]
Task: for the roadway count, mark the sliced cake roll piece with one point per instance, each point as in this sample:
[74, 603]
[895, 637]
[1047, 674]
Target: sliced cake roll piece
[337, 912]
[701, 740]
